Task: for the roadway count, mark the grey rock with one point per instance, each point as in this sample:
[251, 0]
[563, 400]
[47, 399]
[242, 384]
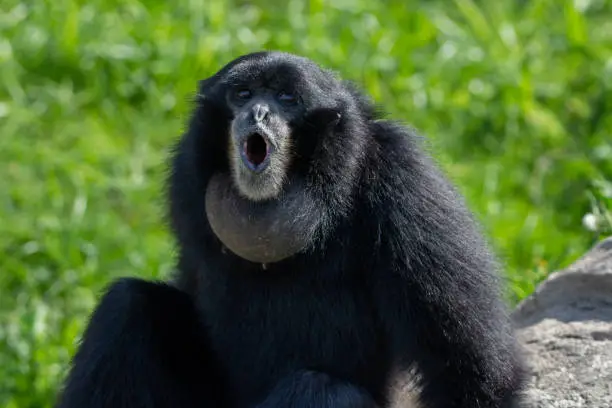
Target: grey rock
[565, 328]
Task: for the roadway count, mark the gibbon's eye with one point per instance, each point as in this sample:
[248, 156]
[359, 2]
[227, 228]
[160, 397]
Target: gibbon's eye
[243, 94]
[287, 98]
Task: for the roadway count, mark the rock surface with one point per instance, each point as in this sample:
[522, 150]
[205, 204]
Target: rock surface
[566, 330]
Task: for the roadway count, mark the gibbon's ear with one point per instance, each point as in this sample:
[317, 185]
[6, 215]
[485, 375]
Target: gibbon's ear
[205, 86]
[325, 118]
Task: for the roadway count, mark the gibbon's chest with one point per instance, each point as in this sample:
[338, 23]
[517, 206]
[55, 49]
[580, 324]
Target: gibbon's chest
[263, 331]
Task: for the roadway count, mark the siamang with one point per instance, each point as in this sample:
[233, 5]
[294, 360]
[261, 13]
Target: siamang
[322, 257]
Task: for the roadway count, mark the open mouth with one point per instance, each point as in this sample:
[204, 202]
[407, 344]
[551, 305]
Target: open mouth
[255, 151]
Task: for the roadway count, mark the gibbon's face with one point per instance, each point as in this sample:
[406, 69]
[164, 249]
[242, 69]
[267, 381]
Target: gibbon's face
[272, 98]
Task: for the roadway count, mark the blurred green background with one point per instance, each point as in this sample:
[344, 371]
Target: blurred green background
[514, 95]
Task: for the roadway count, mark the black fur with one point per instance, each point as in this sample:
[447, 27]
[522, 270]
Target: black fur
[398, 276]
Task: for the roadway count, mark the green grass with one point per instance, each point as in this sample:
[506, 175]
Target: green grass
[515, 96]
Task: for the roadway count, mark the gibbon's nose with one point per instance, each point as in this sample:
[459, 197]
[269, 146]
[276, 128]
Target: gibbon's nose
[260, 111]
